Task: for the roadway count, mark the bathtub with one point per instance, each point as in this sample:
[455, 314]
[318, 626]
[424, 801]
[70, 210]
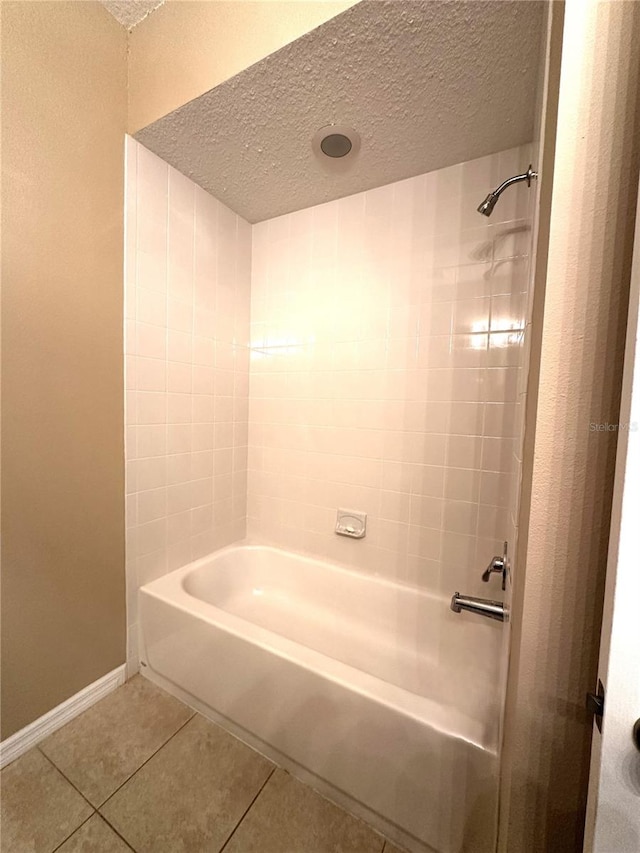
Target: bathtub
[374, 692]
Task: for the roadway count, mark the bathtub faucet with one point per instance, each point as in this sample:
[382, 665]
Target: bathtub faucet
[481, 606]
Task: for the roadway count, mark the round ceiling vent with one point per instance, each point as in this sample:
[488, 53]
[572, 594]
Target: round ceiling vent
[336, 142]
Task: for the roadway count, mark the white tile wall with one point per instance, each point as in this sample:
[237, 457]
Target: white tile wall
[187, 291]
[387, 335]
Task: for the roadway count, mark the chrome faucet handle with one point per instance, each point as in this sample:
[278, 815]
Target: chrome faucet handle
[497, 564]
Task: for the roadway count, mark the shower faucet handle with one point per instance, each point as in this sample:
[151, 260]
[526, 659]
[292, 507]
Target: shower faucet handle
[498, 564]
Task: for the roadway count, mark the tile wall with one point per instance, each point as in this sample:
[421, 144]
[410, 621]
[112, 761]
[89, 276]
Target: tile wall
[386, 374]
[187, 290]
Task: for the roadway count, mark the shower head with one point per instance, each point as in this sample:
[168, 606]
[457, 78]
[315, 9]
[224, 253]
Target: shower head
[486, 208]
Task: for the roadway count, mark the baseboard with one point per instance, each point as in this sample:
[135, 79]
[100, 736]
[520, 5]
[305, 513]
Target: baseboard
[30, 735]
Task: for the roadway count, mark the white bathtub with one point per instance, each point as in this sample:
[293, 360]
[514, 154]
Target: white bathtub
[376, 692]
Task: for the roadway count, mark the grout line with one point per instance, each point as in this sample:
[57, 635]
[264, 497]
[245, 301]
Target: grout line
[248, 809]
[146, 761]
[75, 787]
[64, 841]
[96, 809]
[64, 776]
[120, 836]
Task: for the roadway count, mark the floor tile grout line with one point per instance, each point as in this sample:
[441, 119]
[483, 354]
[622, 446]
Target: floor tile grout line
[248, 809]
[66, 778]
[146, 761]
[119, 834]
[155, 752]
[78, 828]
[96, 809]
[64, 840]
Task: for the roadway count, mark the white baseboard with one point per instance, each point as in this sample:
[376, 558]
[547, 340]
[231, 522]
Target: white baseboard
[30, 735]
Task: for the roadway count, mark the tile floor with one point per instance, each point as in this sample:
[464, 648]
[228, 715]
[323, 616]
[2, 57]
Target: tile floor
[141, 771]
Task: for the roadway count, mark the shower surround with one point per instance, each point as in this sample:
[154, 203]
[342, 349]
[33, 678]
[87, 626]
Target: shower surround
[367, 354]
[386, 351]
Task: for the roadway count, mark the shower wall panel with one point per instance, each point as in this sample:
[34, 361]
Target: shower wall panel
[387, 374]
[187, 289]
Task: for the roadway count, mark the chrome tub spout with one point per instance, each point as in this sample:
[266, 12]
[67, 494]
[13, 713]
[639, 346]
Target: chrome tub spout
[481, 606]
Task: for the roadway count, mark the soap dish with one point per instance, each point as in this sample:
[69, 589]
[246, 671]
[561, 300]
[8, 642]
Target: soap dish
[351, 523]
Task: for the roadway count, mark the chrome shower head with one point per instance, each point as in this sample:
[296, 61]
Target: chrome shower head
[486, 208]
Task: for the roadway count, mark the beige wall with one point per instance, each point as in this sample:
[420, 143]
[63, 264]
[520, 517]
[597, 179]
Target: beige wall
[186, 48]
[578, 355]
[64, 113]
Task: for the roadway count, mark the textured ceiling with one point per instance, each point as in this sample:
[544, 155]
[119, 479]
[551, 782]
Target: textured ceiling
[130, 12]
[426, 85]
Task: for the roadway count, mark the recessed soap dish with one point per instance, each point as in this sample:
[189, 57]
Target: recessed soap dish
[351, 523]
